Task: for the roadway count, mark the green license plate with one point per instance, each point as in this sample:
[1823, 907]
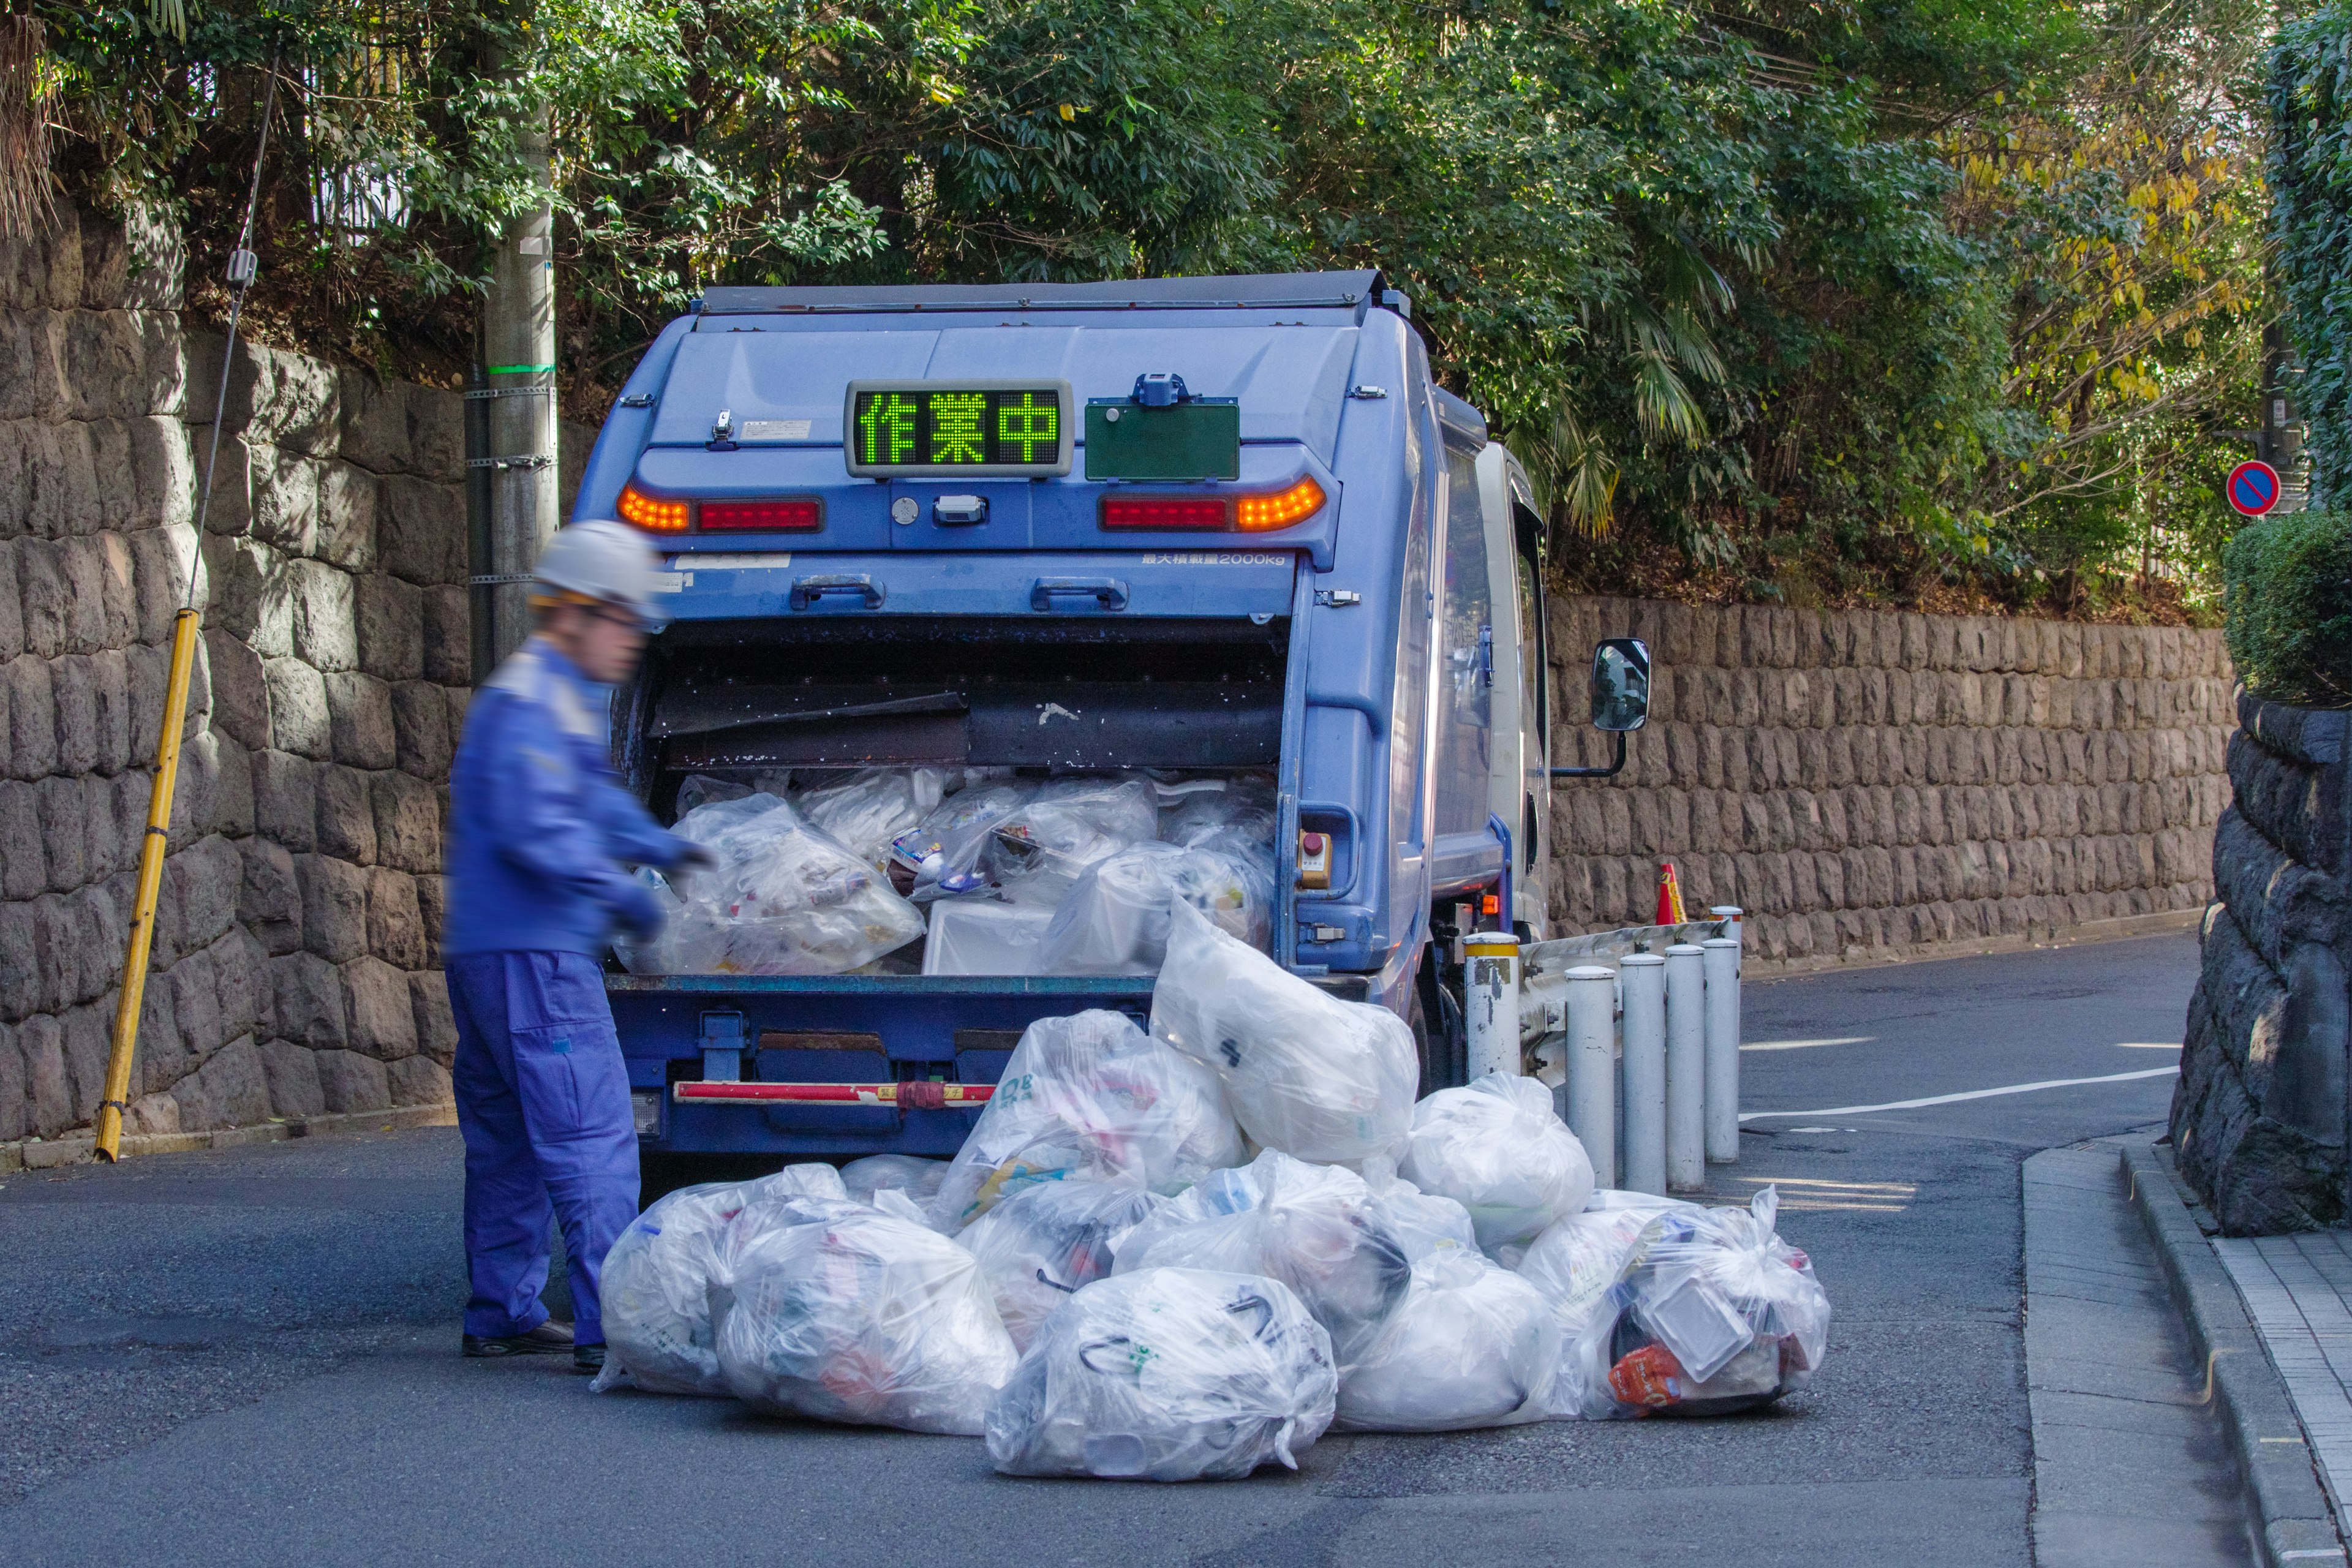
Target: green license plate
[1197, 440]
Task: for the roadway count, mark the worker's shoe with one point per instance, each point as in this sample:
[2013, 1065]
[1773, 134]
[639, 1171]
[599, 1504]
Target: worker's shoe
[588, 1358]
[550, 1337]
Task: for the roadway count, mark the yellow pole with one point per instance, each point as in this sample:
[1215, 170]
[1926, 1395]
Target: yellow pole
[151, 883]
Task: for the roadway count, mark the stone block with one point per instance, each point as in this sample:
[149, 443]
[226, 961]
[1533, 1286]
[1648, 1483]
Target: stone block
[292, 1074]
[432, 905]
[105, 359]
[285, 498]
[346, 815]
[359, 720]
[395, 928]
[326, 618]
[207, 881]
[407, 822]
[351, 1082]
[391, 620]
[56, 948]
[299, 719]
[347, 510]
[250, 596]
[240, 690]
[449, 657]
[294, 401]
[230, 1090]
[43, 596]
[194, 987]
[21, 979]
[437, 1025]
[87, 1040]
[285, 799]
[74, 685]
[63, 810]
[420, 532]
[306, 1001]
[25, 869]
[163, 478]
[383, 1023]
[32, 344]
[420, 723]
[334, 907]
[44, 270]
[420, 1081]
[15, 1114]
[270, 896]
[48, 1097]
[241, 976]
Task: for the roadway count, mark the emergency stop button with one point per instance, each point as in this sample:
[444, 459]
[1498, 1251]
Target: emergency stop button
[1314, 861]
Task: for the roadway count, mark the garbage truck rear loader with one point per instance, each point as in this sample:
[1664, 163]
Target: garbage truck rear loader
[1209, 527]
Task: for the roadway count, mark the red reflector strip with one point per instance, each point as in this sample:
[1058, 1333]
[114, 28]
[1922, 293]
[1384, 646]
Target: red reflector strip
[914, 1095]
[1166, 511]
[653, 515]
[1296, 504]
[803, 514]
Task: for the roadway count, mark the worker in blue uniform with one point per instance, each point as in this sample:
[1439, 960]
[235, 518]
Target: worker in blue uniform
[540, 838]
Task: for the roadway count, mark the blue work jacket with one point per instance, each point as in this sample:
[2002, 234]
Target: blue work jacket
[540, 827]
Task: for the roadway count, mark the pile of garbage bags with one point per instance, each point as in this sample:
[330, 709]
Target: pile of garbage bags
[822, 872]
[1187, 1253]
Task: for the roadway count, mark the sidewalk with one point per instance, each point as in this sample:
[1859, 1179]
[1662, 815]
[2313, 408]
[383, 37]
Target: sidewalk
[2294, 1290]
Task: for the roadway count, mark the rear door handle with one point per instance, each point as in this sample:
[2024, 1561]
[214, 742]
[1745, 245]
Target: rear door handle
[807, 590]
[1107, 593]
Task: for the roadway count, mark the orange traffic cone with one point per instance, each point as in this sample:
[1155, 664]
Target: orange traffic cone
[1670, 896]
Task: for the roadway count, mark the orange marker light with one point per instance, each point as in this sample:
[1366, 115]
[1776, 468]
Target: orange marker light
[653, 516]
[1258, 514]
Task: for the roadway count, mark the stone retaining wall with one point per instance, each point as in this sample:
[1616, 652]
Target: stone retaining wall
[2259, 1119]
[1864, 784]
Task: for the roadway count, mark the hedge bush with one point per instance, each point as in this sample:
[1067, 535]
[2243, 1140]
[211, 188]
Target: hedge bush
[2289, 585]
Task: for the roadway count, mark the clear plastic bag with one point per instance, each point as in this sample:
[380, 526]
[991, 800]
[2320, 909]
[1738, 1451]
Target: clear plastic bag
[870, 809]
[1422, 1223]
[859, 1316]
[1498, 1148]
[1471, 1344]
[656, 1285]
[1114, 919]
[1305, 1073]
[789, 899]
[1090, 1097]
[702, 789]
[1317, 1228]
[917, 1177]
[1044, 1242]
[1710, 1310]
[1170, 1374]
[693, 938]
[943, 851]
[1038, 851]
[1237, 812]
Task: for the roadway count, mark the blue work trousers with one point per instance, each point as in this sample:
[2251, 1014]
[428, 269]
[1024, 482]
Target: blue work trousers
[544, 1101]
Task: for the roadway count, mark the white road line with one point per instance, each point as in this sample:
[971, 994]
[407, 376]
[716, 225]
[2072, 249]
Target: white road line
[1803, 1045]
[1972, 1094]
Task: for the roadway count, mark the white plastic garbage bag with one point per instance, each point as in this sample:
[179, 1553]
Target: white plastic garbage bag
[862, 1317]
[693, 938]
[943, 851]
[1114, 919]
[701, 789]
[1069, 825]
[1305, 1073]
[1198, 812]
[1710, 1312]
[656, 1284]
[917, 1177]
[1044, 1242]
[1171, 1375]
[790, 900]
[1090, 1097]
[867, 811]
[1422, 1223]
[1471, 1344]
[1317, 1228]
[1499, 1149]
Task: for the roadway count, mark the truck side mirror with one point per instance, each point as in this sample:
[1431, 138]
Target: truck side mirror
[1621, 684]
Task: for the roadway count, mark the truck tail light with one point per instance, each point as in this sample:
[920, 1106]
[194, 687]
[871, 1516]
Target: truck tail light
[798, 514]
[1258, 514]
[650, 512]
[1190, 513]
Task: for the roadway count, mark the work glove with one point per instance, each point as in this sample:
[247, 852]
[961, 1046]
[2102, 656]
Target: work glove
[638, 913]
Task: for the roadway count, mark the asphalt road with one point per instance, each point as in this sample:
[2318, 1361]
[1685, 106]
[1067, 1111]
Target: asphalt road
[250, 1356]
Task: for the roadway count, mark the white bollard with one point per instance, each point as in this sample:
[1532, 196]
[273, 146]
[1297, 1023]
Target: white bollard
[1593, 1067]
[1643, 975]
[1732, 913]
[1722, 965]
[1686, 1068]
[1490, 1002]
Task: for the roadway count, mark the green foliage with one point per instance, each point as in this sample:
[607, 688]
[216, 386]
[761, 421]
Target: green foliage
[2290, 608]
[2310, 173]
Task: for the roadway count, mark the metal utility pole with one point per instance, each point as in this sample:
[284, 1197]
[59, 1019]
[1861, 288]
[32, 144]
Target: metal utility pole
[514, 442]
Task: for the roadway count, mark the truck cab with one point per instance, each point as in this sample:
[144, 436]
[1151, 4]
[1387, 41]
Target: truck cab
[1206, 525]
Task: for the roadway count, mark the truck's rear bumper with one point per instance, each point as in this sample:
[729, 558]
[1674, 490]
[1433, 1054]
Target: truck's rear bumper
[846, 1029]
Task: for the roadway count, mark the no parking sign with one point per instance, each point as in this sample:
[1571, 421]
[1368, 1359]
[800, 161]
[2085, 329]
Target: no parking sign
[2253, 488]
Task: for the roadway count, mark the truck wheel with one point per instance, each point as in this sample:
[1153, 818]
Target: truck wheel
[1436, 1021]
[661, 1172]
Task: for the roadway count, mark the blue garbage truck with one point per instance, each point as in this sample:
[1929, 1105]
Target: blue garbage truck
[1206, 525]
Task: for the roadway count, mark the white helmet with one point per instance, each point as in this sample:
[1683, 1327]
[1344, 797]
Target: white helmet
[602, 559]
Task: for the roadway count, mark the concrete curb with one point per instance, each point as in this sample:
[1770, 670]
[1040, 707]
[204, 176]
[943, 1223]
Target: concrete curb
[79, 1149]
[1754, 968]
[2289, 1511]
